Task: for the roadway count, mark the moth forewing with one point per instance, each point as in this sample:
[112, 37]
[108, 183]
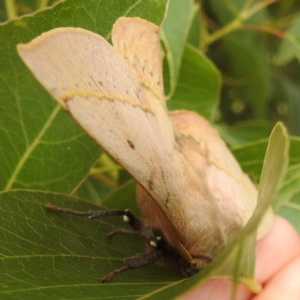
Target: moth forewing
[96, 86]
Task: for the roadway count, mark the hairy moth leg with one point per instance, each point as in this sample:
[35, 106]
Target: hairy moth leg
[128, 216]
[135, 262]
[147, 233]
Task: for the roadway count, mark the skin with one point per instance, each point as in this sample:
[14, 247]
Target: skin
[277, 269]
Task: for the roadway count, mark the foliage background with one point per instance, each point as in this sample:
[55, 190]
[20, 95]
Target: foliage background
[235, 62]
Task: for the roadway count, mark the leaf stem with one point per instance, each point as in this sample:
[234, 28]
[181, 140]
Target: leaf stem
[10, 7]
[267, 29]
[230, 27]
[237, 23]
[41, 3]
[255, 8]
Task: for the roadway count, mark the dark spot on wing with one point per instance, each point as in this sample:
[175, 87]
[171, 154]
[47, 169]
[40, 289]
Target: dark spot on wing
[130, 144]
[150, 184]
[167, 200]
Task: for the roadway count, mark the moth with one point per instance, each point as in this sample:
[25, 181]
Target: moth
[191, 190]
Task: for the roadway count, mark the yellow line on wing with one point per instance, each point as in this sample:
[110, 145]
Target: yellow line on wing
[112, 97]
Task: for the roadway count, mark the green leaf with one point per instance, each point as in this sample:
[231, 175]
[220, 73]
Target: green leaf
[41, 147]
[104, 177]
[244, 132]
[195, 32]
[294, 151]
[93, 189]
[249, 71]
[274, 167]
[226, 11]
[291, 212]
[289, 94]
[174, 34]
[198, 84]
[287, 201]
[290, 187]
[251, 158]
[290, 46]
